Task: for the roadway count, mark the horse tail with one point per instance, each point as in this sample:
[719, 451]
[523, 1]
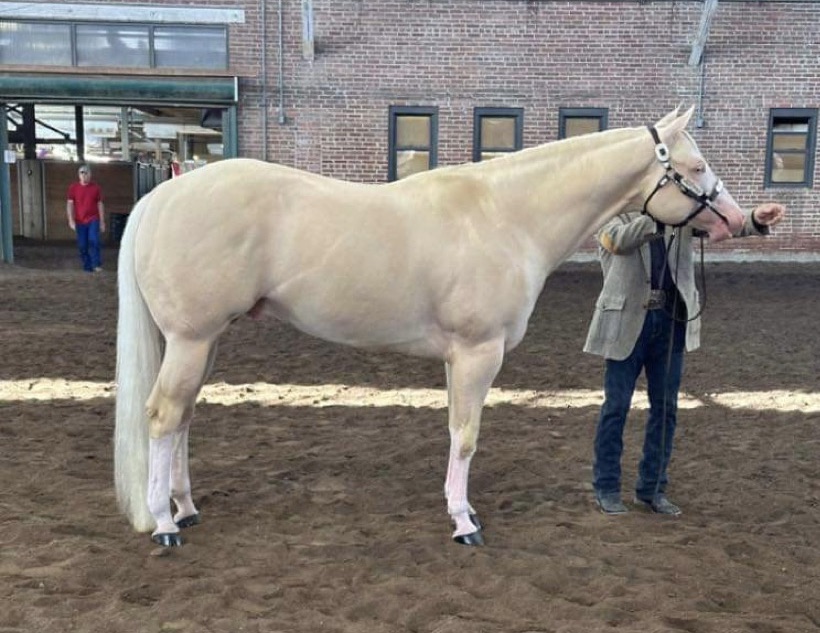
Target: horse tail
[139, 353]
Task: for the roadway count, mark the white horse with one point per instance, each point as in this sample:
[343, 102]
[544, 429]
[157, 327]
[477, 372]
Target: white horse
[445, 264]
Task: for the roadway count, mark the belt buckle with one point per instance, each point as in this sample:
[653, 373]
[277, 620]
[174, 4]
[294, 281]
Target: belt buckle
[657, 299]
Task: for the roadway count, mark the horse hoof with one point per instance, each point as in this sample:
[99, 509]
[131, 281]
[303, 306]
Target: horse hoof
[167, 539]
[474, 520]
[189, 521]
[474, 539]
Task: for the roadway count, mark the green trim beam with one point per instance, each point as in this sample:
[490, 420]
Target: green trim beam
[116, 90]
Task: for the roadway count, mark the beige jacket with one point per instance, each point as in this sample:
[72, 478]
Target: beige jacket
[624, 252]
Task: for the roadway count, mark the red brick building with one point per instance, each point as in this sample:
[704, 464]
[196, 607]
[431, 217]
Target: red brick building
[354, 88]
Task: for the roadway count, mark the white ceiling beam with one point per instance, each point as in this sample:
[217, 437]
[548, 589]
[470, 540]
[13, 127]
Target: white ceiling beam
[119, 13]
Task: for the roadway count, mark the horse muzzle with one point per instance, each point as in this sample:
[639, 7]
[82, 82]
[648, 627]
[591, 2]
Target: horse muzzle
[722, 219]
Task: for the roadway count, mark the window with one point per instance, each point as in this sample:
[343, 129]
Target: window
[413, 134]
[190, 47]
[35, 43]
[117, 45]
[790, 147]
[578, 121]
[122, 45]
[497, 131]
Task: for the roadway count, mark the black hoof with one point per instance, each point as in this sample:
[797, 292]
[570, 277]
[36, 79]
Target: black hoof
[189, 521]
[474, 539]
[167, 539]
[474, 520]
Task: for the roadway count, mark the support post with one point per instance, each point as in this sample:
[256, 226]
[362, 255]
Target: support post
[79, 126]
[6, 242]
[125, 136]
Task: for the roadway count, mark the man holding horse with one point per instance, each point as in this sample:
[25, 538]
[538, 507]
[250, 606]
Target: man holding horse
[646, 316]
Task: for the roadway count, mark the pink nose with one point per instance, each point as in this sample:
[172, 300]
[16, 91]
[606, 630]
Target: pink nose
[721, 228]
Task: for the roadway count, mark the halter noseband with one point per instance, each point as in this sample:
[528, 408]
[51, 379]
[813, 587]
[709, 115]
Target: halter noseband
[689, 189]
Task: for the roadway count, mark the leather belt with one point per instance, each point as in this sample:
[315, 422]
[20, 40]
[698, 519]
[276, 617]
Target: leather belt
[657, 300]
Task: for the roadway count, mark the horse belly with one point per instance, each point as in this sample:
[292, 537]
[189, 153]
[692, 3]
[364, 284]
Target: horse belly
[361, 323]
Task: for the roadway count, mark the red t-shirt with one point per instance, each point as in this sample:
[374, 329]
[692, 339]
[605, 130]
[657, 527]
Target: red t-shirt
[85, 199]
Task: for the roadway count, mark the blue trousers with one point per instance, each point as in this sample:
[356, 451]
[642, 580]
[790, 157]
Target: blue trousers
[88, 241]
[663, 376]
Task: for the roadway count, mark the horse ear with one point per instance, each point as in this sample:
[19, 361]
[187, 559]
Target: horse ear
[675, 126]
[668, 117]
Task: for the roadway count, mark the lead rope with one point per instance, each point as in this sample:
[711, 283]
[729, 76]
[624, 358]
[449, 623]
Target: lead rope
[669, 351]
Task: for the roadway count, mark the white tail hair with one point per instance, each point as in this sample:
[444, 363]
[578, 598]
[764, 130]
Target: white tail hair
[138, 360]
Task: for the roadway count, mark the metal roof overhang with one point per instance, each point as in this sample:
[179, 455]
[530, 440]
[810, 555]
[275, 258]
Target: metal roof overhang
[199, 90]
[25, 86]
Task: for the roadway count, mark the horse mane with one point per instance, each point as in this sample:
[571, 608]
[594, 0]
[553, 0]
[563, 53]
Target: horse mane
[558, 152]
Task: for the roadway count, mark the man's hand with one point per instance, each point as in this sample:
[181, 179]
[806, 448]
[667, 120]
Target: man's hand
[769, 213]
[71, 224]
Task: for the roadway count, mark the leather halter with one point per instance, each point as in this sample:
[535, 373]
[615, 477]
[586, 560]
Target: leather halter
[688, 188]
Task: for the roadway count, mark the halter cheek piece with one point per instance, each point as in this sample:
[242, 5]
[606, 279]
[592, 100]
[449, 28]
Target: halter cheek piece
[689, 189]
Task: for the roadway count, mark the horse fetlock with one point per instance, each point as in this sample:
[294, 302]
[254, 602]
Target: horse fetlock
[184, 505]
[457, 509]
[463, 524]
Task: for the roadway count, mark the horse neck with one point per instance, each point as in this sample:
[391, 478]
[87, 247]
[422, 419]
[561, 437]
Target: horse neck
[560, 193]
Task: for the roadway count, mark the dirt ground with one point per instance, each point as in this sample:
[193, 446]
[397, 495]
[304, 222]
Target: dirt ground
[319, 474]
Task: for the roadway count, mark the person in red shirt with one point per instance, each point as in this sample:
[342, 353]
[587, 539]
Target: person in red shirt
[86, 218]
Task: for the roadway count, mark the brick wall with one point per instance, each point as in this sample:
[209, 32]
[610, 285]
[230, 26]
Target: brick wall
[539, 55]
[629, 57]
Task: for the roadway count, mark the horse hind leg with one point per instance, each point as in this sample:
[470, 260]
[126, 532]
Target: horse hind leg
[170, 407]
[470, 374]
[187, 514]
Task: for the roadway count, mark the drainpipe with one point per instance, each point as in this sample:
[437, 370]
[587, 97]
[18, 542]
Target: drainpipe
[699, 119]
[264, 80]
[281, 68]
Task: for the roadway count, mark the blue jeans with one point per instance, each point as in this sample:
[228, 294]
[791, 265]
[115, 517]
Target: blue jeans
[663, 373]
[88, 241]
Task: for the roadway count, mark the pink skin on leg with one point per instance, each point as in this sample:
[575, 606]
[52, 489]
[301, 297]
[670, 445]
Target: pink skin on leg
[180, 478]
[159, 473]
[458, 470]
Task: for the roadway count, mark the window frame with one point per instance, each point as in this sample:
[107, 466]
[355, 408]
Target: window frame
[517, 114]
[392, 130]
[602, 114]
[811, 147]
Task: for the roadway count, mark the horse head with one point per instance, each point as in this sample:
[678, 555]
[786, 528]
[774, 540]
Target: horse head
[682, 188]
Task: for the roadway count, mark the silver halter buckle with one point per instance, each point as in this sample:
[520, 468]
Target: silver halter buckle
[662, 154]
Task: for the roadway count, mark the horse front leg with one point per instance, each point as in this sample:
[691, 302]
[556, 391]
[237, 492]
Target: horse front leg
[470, 373]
